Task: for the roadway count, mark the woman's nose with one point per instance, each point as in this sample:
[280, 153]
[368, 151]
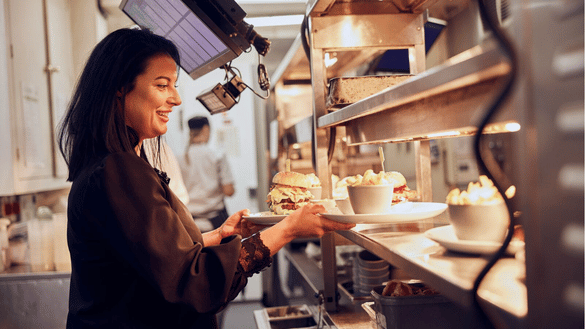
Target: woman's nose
[175, 99]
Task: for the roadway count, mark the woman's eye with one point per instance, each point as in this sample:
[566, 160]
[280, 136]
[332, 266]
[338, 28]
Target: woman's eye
[162, 86]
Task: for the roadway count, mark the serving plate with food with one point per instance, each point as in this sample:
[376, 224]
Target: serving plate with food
[415, 212]
[479, 220]
[264, 218]
[289, 192]
[445, 236]
[383, 197]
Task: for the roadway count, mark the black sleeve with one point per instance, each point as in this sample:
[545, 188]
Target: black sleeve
[155, 238]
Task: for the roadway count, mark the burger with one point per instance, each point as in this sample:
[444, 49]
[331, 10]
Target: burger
[289, 192]
[401, 192]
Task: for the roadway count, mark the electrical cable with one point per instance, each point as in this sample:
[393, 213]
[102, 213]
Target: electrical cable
[230, 69]
[483, 164]
[305, 37]
[331, 148]
[263, 79]
[307, 49]
[256, 93]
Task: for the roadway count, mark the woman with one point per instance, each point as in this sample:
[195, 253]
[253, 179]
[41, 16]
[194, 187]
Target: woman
[138, 260]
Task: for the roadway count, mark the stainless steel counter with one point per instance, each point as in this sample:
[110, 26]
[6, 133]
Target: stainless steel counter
[33, 299]
[349, 315]
[502, 294]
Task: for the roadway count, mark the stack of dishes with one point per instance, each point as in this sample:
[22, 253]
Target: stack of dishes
[372, 272]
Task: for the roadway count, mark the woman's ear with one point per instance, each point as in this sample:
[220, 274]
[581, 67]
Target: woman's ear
[119, 94]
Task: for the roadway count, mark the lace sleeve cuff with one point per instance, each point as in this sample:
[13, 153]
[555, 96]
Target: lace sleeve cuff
[254, 256]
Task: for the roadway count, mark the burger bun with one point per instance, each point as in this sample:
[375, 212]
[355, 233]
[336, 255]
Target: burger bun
[292, 178]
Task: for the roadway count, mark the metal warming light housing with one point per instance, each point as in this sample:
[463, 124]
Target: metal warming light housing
[221, 98]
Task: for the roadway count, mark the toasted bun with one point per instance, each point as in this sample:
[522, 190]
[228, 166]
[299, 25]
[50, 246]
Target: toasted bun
[397, 178]
[292, 178]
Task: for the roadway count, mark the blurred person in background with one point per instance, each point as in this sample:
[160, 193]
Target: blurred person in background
[207, 174]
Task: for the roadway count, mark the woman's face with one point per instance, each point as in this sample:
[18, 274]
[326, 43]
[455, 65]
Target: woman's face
[151, 101]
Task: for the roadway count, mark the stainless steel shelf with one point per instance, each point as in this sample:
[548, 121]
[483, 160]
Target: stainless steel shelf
[451, 97]
[307, 268]
[349, 315]
[301, 132]
[442, 9]
[503, 296]
[294, 65]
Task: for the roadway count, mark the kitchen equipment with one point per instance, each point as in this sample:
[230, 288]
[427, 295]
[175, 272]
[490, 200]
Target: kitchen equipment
[347, 90]
[40, 241]
[416, 312]
[372, 271]
[293, 316]
[61, 251]
[4, 254]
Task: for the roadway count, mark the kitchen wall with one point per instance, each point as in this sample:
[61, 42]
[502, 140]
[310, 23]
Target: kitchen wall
[232, 131]
[5, 136]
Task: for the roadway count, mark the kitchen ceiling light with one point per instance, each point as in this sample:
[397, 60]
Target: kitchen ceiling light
[208, 34]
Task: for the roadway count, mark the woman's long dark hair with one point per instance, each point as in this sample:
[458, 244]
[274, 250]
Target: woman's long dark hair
[94, 123]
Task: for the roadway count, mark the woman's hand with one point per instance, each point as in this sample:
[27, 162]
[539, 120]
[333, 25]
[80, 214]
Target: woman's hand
[304, 222]
[235, 224]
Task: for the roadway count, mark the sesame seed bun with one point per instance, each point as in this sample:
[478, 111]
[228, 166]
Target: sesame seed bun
[292, 178]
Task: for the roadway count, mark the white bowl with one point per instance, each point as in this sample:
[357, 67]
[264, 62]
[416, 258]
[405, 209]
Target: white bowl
[371, 199]
[316, 192]
[480, 222]
[345, 206]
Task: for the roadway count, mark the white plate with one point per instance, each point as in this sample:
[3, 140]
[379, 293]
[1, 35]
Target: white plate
[418, 211]
[264, 218]
[445, 236]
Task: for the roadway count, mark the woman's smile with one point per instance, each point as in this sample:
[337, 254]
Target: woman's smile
[149, 103]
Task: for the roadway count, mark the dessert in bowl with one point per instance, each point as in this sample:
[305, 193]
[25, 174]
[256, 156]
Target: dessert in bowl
[480, 222]
[376, 193]
[479, 213]
[371, 199]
